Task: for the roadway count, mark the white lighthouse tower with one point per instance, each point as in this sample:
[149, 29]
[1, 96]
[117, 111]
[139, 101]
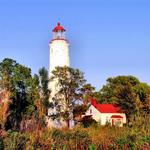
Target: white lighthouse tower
[59, 52]
[59, 56]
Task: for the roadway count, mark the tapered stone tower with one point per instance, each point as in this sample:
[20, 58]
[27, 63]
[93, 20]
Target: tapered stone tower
[59, 56]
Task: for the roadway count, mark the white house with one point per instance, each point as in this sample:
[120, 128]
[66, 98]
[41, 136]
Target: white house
[106, 113]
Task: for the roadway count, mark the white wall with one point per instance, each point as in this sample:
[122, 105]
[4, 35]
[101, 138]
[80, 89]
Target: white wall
[102, 117]
[106, 117]
[59, 56]
[95, 113]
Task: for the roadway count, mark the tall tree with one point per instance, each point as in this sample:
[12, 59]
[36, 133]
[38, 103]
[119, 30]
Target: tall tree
[69, 83]
[17, 80]
[126, 91]
[87, 92]
[44, 90]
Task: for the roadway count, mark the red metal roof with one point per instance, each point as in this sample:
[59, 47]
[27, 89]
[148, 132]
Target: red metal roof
[58, 28]
[116, 116]
[105, 108]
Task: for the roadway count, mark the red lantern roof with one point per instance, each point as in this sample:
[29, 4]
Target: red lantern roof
[58, 28]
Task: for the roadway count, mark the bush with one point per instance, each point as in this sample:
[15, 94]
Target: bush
[92, 147]
[15, 141]
[70, 139]
[41, 140]
[81, 139]
[88, 121]
[78, 138]
[1, 143]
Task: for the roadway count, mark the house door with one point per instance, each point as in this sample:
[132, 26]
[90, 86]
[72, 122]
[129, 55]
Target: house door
[113, 122]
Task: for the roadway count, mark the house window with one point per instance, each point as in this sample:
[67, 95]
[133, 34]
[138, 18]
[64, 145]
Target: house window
[90, 111]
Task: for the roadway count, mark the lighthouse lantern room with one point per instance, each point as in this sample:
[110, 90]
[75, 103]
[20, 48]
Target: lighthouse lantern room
[59, 32]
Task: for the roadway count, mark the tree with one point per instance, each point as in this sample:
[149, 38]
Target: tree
[17, 80]
[143, 90]
[147, 102]
[126, 91]
[69, 83]
[4, 108]
[109, 92]
[44, 91]
[88, 93]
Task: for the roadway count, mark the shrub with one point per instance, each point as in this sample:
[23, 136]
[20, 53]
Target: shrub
[39, 139]
[15, 141]
[79, 138]
[70, 139]
[92, 147]
[88, 121]
[58, 138]
[1, 143]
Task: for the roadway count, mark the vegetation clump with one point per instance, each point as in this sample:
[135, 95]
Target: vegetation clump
[24, 103]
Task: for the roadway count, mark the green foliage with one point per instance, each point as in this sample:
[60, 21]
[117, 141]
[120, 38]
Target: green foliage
[110, 92]
[15, 141]
[39, 139]
[78, 111]
[43, 81]
[70, 82]
[27, 98]
[121, 142]
[24, 92]
[145, 139]
[20, 83]
[71, 139]
[1, 143]
[92, 147]
[114, 85]
[92, 138]
[127, 92]
[88, 92]
[88, 121]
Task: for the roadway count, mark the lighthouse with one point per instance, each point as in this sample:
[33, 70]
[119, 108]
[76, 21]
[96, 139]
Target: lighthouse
[59, 56]
[59, 53]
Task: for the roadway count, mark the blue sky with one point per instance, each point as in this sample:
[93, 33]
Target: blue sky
[107, 37]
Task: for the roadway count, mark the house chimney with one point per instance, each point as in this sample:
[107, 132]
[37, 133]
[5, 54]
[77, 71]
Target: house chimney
[93, 102]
